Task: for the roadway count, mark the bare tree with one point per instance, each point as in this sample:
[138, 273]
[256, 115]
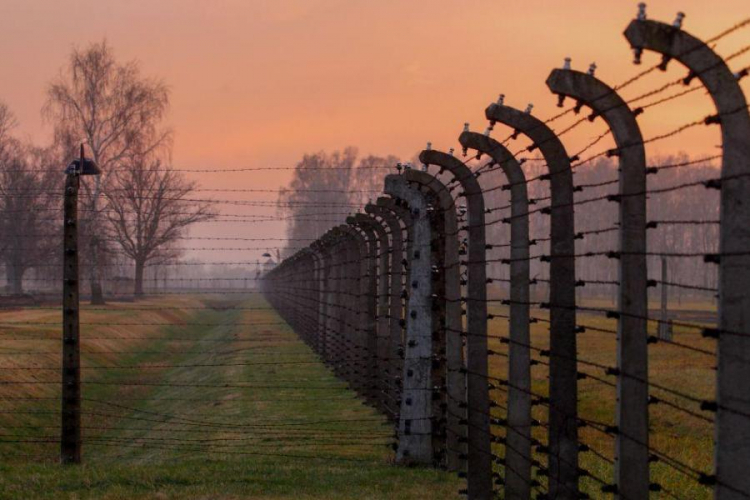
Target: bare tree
[27, 199]
[148, 211]
[117, 112]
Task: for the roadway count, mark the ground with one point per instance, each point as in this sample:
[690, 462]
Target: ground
[255, 427]
[264, 418]
[673, 432]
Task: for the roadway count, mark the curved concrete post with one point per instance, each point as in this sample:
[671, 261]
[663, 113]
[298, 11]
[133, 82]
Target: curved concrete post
[323, 247]
[303, 283]
[631, 443]
[403, 213]
[355, 307]
[439, 381]
[415, 425]
[563, 385]
[518, 450]
[304, 292]
[323, 273]
[316, 301]
[391, 339]
[437, 258]
[292, 272]
[285, 294]
[343, 303]
[479, 456]
[368, 289]
[306, 295]
[378, 302]
[367, 300]
[732, 430]
[454, 359]
[343, 311]
[288, 298]
[336, 316]
[280, 290]
[401, 210]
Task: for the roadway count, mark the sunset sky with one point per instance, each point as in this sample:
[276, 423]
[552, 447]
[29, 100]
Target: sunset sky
[259, 83]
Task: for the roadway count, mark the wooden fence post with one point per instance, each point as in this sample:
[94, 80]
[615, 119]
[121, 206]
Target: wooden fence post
[70, 442]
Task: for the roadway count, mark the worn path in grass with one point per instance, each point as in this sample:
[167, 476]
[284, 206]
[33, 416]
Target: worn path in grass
[230, 406]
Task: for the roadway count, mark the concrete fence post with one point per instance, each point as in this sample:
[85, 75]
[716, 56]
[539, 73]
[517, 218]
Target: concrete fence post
[415, 426]
[563, 384]
[518, 438]
[455, 438]
[437, 254]
[313, 308]
[479, 452]
[316, 301]
[368, 300]
[340, 268]
[732, 428]
[301, 285]
[341, 281]
[296, 284]
[355, 310]
[391, 339]
[396, 206]
[321, 246]
[631, 442]
[377, 304]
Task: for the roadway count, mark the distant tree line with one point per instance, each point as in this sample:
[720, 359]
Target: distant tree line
[310, 212]
[598, 179]
[325, 188]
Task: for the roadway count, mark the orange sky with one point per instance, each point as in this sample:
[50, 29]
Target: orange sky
[259, 83]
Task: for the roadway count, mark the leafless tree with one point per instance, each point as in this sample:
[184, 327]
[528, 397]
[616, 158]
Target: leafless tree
[117, 112]
[148, 211]
[27, 200]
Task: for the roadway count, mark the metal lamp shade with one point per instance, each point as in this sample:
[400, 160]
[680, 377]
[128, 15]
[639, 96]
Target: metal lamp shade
[89, 167]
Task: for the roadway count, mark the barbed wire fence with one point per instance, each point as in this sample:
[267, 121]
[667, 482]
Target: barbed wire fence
[465, 305]
[510, 407]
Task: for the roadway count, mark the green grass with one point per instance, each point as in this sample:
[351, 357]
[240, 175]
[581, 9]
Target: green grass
[672, 432]
[142, 442]
[292, 431]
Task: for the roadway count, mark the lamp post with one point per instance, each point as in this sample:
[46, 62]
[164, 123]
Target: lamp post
[70, 441]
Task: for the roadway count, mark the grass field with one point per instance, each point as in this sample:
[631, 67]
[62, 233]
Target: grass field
[673, 432]
[263, 418]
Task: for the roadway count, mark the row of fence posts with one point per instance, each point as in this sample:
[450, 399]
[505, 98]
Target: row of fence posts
[382, 298]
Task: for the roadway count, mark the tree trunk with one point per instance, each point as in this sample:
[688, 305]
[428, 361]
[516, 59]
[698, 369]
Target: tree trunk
[97, 296]
[139, 268]
[15, 277]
